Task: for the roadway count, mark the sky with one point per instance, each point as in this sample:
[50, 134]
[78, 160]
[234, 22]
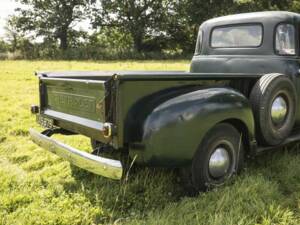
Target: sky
[6, 8]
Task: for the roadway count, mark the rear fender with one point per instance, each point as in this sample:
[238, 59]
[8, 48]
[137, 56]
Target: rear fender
[175, 128]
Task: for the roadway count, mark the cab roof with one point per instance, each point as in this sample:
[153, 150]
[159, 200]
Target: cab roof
[259, 17]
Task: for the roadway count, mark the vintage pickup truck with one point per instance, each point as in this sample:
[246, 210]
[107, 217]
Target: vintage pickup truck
[239, 98]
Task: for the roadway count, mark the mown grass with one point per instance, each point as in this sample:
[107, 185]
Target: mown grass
[37, 187]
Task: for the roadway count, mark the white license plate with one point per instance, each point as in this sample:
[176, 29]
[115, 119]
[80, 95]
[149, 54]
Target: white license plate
[45, 122]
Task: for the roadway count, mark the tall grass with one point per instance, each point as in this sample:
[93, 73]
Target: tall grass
[37, 187]
[94, 53]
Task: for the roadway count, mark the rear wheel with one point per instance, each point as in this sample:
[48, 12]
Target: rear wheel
[218, 158]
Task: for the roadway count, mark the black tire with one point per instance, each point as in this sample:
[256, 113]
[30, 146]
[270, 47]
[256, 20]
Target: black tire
[263, 95]
[223, 136]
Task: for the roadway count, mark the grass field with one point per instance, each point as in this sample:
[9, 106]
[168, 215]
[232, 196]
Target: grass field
[37, 187]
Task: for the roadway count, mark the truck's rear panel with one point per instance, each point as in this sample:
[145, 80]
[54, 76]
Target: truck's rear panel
[77, 105]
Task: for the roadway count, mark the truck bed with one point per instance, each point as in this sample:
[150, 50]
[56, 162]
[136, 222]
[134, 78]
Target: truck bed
[82, 101]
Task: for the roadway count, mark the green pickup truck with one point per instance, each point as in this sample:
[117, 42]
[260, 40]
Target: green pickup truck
[239, 98]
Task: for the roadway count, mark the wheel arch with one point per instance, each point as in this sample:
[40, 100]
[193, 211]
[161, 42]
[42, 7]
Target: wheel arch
[244, 131]
[174, 130]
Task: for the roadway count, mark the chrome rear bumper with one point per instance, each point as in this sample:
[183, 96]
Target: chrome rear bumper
[102, 166]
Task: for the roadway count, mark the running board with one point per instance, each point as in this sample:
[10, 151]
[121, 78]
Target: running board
[289, 140]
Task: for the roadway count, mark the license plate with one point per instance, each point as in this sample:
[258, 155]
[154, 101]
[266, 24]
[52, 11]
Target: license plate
[45, 122]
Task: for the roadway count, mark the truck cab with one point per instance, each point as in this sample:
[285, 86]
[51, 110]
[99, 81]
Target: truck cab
[263, 42]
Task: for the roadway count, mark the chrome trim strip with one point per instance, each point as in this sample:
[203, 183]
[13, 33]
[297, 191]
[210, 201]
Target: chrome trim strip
[74, 119]
[98, 165]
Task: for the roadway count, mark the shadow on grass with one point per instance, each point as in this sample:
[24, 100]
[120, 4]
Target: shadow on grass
[280, 165]
[152, 190]
[145, 189]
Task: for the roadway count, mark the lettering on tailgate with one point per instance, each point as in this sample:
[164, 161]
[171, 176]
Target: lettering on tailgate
[72, 101]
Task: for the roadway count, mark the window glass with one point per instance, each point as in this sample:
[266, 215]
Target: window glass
[285, 39]
[237, 36]
[199, 43]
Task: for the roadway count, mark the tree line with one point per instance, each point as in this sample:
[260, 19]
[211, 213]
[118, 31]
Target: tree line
[119, 29]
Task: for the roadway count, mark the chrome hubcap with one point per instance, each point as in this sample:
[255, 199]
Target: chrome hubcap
[278, 110]
[219, 163]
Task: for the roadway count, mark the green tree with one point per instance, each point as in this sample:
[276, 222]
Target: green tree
[51, 19]
[3, 46]
[295, 6]
[139, 18]
[262, 5]
[185, 17]
[13, 34]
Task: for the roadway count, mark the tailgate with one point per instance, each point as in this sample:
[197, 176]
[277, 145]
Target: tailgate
[77, 105]
[83, 98]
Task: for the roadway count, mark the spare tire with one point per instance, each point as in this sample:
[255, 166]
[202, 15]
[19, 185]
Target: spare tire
[273, 99]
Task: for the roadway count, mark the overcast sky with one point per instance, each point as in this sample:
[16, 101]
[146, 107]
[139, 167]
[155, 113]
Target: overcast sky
[6, 8]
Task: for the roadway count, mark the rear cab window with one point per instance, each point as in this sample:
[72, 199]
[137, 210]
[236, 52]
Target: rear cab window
[237, 36]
